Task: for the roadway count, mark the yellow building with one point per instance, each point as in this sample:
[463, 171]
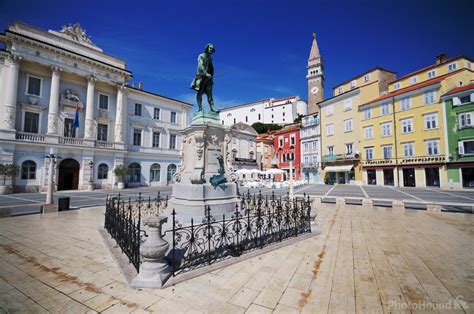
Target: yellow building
[403, 132]
[340, 142]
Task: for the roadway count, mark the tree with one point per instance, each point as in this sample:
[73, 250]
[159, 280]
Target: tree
[120, 172]
[8, 171]
[298, 118]
[265, 127]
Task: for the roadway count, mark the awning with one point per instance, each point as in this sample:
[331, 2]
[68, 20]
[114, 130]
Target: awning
[343, 168]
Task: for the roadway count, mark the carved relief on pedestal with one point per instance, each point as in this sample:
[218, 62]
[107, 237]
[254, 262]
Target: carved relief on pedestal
[197, 176]
[228, 159]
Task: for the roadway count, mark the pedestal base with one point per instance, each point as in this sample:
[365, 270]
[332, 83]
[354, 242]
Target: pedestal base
[152, 275]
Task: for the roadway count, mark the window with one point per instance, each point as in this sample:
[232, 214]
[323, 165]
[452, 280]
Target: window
[465, 120]
[347, 104]
[431, 121]
[235, 122]
[349, 149]
[452, 67]
[329, 110]
[348, 125]
[102, 132]
[155, 173]
[69, 129]
[33, 86]
[134, 172]
[432, 147]
[31, 122]
[330, 150]
[28, 170]
[407, 125]
[387, 152]
[138, 109]
[407, 150]
[156, 139]
[103, 101]
[172, 141]
[430, 97]
[468, 65]
[366, 77]
[466, 147]
[292, 139]
[353, 84]
[384, 109]
[246, 119]
[259, 117]
[405, 103]
[396, 86]
[368, 132]
[431, 73]
[156, 114]
[386, 129]
[341, 89]
[465, 99]
[170, 173]
[413, 79]
[367, 113]
[330, 129]
[173, 117]
[369, 153]
[102, 171]
[137, 137]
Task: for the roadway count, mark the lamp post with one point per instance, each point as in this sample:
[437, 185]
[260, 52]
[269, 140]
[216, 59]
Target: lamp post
[49, 204]
[292, 156]
[91, 175]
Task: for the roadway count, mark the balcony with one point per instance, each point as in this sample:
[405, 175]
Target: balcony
[29, 137]
[340, 157]
[71, 141]
[104, 144]
[309, 165]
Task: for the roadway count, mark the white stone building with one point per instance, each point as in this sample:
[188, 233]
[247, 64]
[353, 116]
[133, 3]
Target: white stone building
[270, 110]
[310, 139]
[244, 146]
[44, 78]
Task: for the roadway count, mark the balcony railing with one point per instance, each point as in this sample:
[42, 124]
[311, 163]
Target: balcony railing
[29, 137]
[329, 158]
[104, 144]
[309, 165]
[71, 141]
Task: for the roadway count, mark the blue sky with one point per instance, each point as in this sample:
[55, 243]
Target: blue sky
[261, 46]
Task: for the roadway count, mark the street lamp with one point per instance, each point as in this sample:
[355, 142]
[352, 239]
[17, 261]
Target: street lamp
[53, 159]
[292, 157]
[91, 166]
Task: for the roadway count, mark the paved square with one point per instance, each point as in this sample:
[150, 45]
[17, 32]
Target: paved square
[365, 260]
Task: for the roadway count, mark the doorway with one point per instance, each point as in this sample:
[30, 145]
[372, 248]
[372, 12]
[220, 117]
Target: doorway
[68, 178]
[432, 176]
[388, 178]
[467, 177]
[372, 177]
[409, 177]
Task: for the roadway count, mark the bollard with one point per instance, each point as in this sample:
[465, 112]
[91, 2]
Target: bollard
[154, 270]
[367, 203]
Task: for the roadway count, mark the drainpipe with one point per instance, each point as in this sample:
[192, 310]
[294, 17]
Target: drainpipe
[396, 179]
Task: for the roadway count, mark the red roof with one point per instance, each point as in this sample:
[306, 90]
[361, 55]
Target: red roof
[413, 87]
[460, 89]
[289, 128]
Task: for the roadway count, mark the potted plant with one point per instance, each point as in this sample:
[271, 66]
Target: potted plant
[120, 172]
[8, 172]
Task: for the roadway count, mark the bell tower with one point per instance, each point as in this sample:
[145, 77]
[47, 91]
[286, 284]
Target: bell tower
[315, 77]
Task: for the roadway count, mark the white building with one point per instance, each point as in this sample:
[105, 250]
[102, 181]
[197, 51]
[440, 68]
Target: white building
[44, 76]
[244, 146]
[310, 139]
[278, 111]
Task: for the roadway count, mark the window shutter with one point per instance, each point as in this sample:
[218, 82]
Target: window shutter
[461, 148]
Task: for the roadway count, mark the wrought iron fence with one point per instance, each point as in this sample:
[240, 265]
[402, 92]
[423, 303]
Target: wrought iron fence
[123, 222]
[256, 222]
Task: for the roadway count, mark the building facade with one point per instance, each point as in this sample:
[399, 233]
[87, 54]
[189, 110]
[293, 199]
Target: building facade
[286, 143]
[265, 151]
[340, 126]
[244, 146]
[458, 107]
[315, 77]
[270, 110]
[310, 138]
[403, 131]
[47, 78]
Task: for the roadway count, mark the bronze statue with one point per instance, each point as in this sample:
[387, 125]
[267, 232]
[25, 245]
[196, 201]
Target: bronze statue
[203, 80]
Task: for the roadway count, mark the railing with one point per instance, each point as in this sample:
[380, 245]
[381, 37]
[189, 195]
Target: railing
[71, 141]
[258, 221]
[309, 165]
[104, 144]
[31, 137]
[123, 222]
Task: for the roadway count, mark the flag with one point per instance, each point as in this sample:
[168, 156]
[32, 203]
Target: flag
[75, 124]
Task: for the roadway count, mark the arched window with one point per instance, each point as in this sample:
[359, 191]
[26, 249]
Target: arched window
[28, 170]
[134, 172]
[171, 172]
[102, 171]
[155, 171]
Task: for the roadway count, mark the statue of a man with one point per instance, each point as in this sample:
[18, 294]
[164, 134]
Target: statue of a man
[203, 80]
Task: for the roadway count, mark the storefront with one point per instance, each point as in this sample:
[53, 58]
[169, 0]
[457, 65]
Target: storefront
[343, 174]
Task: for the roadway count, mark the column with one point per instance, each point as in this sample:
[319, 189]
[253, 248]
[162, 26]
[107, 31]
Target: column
[9, 112]
[89, 125]
[54, 101]
[120, 113]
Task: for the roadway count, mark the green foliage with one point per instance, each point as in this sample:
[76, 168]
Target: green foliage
[298, 118]
[8, 171]
[265, 127]
[120, 172]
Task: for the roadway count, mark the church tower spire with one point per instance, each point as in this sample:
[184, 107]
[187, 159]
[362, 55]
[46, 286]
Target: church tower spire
[315, 77]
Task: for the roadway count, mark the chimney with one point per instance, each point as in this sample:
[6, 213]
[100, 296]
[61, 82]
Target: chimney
[441, 58]
[133, 85]
[140, 85]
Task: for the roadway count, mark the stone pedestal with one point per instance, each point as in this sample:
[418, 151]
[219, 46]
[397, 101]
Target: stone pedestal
[205, 176]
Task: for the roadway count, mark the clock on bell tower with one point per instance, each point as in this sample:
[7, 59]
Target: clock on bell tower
[315, 77]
